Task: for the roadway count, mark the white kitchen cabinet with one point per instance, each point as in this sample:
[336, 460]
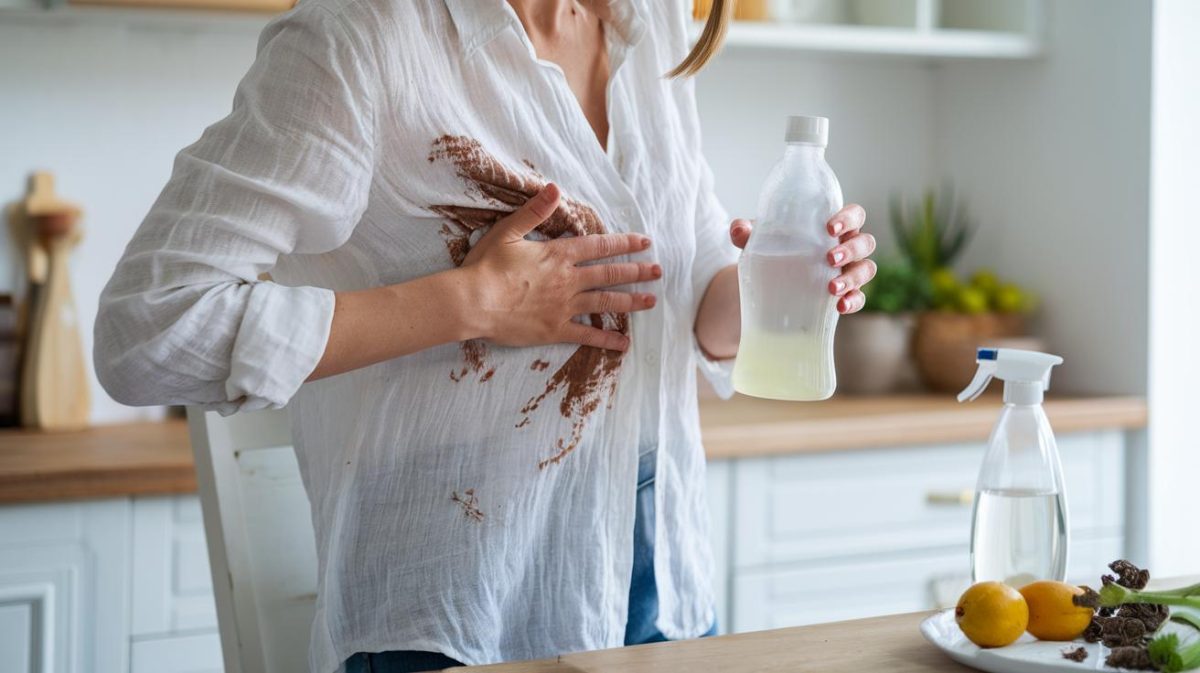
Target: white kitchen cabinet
[841, 535]
[64, 587]
[173, 591]
[193, 653]
[106, 586]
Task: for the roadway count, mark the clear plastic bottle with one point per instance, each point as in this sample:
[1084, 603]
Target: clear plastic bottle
[788, 315]
[1019, 528]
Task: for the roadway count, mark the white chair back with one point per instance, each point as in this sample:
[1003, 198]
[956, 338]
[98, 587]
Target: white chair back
[260, 539]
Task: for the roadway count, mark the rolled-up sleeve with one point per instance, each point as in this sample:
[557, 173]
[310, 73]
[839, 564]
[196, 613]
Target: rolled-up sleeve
[714, 251]
[185, 318]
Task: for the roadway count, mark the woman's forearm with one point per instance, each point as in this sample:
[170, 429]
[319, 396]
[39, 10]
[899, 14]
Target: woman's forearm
[371, 326]
[718, 321]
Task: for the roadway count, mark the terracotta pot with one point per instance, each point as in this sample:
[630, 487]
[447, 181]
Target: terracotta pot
[872, 352]
[944, 344]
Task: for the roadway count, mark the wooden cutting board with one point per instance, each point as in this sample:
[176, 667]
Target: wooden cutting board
[54, 382]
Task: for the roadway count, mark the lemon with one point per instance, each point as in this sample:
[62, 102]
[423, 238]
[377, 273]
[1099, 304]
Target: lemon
[1053, 614]
[992, 614]
[985, 280]
[972, 300]
[1011, 299]
[943, 280]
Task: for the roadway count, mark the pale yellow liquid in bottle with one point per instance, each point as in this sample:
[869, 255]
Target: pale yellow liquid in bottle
[788, 322]
[784, 366]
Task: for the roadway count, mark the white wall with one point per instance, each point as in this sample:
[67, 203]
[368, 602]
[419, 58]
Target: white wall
[1053, 157]
[1174, 459]
[106, 103]
[882, 123]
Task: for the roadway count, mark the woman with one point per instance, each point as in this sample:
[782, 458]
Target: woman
[438, 188]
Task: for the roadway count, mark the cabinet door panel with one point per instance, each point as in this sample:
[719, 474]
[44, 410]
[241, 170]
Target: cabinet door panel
[810, 507]
[64, 586]
[198, 653]
[174, 588]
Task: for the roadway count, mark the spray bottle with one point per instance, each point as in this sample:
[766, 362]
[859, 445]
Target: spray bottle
[1019, 526]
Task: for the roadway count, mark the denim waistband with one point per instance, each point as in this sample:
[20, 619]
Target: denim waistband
[647, 463]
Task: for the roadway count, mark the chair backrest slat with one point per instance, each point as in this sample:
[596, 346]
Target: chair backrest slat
[260, 539]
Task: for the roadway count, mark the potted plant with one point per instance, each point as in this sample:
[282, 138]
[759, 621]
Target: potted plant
[965, 315]
[872, 351]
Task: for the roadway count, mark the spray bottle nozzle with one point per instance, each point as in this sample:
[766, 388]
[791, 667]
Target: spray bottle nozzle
[1026, 374]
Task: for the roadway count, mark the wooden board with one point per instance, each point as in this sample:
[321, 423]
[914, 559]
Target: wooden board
[109, 461]
[743, 426]
[227, 5]
[891, 644]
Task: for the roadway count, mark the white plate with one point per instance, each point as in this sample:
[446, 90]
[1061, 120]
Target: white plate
[1027, 655]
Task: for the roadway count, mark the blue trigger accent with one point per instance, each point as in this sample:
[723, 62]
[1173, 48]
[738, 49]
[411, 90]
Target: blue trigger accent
[986, 354]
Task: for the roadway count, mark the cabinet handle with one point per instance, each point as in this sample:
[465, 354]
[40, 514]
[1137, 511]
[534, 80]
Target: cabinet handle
[961, 498]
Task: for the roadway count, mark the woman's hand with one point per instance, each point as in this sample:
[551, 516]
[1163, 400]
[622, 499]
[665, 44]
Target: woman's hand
[528, 292]
[850, 255]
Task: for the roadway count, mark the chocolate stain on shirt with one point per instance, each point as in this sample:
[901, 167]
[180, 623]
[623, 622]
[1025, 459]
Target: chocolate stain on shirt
[589, 376]
[469, 504]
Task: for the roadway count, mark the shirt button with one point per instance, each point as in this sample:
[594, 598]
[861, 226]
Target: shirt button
[651, 357]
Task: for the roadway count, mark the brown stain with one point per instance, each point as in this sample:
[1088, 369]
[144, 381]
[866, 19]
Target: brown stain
[469, 504]
[590, 374]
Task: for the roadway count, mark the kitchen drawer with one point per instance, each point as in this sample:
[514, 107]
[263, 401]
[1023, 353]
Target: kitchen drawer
[817, 506]
[871, 586]
[808, 594]
[193, 653]
[173, 587]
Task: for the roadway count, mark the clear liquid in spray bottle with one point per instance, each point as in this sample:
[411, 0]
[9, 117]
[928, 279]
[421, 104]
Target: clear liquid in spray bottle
[1019, 527]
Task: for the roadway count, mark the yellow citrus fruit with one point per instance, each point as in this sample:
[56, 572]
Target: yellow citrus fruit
[972, 300]
[1053, 614]
[992, 614]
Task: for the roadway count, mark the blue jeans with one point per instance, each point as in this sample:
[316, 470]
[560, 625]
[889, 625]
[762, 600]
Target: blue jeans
[643, 594]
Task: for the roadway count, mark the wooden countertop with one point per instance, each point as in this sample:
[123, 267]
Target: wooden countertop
[892, 644]
[156, 458]
[101, 462]
[744, 427]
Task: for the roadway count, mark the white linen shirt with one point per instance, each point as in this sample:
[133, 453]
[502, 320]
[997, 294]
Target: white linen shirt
[468, 499]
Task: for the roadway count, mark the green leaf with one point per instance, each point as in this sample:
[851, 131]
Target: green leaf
[1164, 653]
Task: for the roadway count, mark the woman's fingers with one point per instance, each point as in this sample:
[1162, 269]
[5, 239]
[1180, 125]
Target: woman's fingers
[607, 275]
[586, 335]
[526, 218]
[853, 277]
[739, 232]
[847, 220]
[612, 302]
[855, 248]
[600, 246]
[852, 302]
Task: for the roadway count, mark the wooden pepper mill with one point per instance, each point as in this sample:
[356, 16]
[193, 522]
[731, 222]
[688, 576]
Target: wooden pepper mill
[54, 383]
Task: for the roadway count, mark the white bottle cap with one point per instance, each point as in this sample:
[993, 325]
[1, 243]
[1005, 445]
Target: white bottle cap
[808, 130]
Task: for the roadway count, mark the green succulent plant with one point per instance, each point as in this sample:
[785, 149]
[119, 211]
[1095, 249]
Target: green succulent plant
[932, 233]
[897, 288]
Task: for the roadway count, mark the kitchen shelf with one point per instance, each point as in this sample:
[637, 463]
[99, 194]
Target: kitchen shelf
[937, 43]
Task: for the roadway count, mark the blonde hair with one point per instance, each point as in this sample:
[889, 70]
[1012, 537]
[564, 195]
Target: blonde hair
[719, 15]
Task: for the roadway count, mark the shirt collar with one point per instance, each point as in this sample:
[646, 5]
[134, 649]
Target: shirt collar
[478, 21]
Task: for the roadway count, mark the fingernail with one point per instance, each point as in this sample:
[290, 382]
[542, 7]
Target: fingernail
[656, 271]
[838, 256]
[649, 300]
[837, 227]
[645, 242]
